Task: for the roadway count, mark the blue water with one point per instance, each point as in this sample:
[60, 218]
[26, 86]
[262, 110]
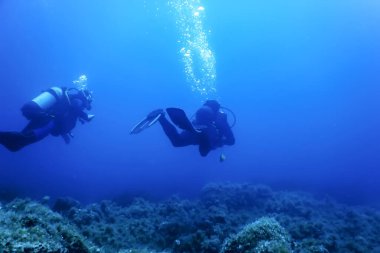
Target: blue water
[302, 78]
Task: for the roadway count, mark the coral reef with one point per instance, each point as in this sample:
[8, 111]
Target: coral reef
[264, 235]
[27, 226]
[225, 218]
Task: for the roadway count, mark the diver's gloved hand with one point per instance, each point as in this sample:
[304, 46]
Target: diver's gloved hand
[67, 137]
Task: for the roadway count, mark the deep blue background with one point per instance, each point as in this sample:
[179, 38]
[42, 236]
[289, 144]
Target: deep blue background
[302, 77]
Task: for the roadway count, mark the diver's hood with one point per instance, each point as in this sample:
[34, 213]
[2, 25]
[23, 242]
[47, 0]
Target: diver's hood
[83, 94]
[213, 104]
[205, 116]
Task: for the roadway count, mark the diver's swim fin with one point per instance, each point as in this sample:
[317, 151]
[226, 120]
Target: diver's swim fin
[147, 121]
[179, 118]
[14, 141]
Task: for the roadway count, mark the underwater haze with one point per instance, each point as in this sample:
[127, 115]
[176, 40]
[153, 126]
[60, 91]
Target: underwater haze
[302, 78]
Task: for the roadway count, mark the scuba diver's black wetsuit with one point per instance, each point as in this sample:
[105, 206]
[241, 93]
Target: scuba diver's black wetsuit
[55, 112]
[211, 129]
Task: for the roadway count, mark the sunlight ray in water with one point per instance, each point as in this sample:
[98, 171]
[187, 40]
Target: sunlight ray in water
[197, 56]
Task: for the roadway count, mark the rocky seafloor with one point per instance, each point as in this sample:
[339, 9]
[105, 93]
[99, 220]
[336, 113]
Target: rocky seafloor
[226, 218]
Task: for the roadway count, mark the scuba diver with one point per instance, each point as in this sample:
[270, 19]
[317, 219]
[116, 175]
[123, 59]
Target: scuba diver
[55, 111]
[209, 129]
